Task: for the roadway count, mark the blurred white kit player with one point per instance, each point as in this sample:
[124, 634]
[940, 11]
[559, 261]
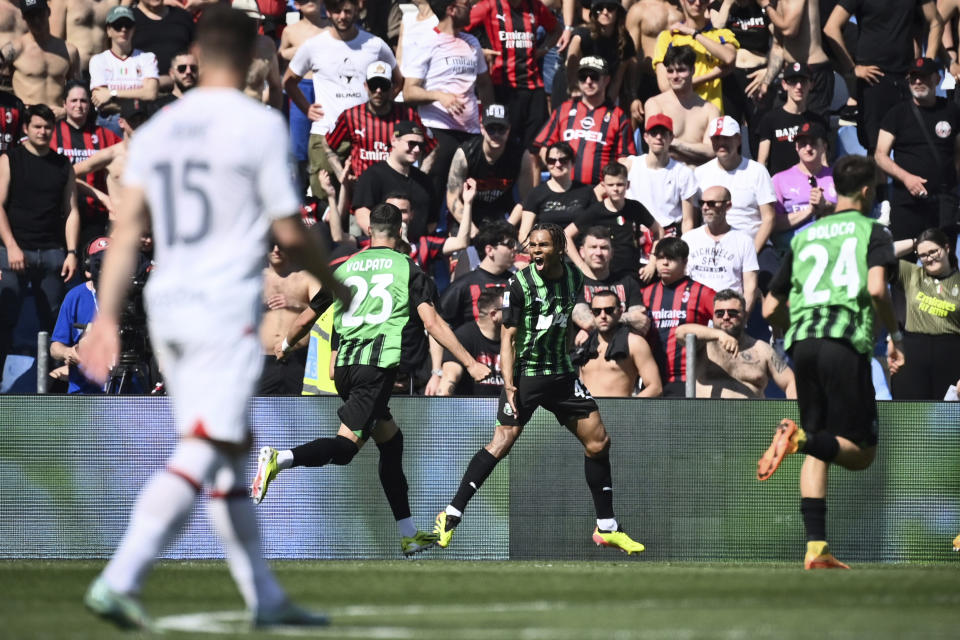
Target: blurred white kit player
[213, 170]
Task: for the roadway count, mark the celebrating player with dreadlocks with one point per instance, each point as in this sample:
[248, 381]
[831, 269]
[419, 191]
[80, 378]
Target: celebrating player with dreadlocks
[537, 373]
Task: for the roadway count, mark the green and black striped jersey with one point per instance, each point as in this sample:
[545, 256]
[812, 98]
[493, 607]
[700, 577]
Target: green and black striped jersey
[540, 310]
[387, 288]
[825, 276]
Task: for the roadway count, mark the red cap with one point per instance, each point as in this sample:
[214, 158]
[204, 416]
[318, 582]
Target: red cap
[98, 245]
[659, 120]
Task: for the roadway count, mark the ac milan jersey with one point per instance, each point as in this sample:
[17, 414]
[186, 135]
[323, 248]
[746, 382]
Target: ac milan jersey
[671, 305]
[598, 136]
[11, 120]
[511, 32]
[78, 144]
[369, 134]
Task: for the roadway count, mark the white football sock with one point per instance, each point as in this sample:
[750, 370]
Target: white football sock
[161, 510]
[232, 515]
[607, 524]
[284, 459]
[453, 511]
[407, 527]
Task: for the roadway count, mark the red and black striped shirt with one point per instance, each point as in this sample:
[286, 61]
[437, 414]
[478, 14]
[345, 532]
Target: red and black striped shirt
[11, 120]
[369, 134]
[78, 144]
[598, 136]
[671, 305]
[511, 31]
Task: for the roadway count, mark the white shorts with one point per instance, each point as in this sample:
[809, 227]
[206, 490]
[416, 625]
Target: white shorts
[209, 379]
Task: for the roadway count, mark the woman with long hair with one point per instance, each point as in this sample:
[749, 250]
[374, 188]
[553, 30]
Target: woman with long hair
[932, 335]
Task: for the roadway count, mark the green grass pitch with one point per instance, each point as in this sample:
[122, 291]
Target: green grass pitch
[430, 599]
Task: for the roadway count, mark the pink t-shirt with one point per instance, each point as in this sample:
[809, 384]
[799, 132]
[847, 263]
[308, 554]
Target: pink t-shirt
[792, 187]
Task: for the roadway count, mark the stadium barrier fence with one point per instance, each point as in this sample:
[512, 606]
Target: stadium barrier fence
[684, 482]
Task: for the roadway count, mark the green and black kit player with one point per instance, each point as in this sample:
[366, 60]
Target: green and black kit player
[537, 372]
[835, 278]
[388, 288]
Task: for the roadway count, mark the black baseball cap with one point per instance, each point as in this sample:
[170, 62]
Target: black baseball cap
[796, 70]
[811, 129]
[495, 114]
[32, 6]
[406, 128]
[924, 66]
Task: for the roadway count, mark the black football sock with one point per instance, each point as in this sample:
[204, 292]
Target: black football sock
[814, 512]
[821, 445]
[477, 471]
[338, 450]
[392, 480]
[599, 480]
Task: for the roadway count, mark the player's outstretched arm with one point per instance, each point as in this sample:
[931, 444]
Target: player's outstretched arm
[103, 342]
[438, 328]
[304, 249]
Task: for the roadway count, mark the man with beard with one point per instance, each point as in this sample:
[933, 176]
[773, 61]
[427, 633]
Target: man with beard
[613, 359]
[338, 57]
[368, 127]
[731, 364]
[184, 71]
[924, 160]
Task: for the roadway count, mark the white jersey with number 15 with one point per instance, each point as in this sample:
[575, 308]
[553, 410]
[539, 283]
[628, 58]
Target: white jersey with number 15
[215, 167]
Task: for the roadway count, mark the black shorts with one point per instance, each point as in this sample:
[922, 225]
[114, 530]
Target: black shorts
[562, 395]
[835, 390]
[527, 109]
[283, 377]
[365, 391]
[821, 92]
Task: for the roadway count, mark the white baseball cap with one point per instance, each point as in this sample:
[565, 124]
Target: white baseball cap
[379, 69]
[724, 126]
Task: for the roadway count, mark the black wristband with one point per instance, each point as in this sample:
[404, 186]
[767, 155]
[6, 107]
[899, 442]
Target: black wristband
[73, 251]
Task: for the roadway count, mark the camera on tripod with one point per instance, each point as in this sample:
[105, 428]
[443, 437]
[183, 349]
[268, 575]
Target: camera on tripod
[133, 373]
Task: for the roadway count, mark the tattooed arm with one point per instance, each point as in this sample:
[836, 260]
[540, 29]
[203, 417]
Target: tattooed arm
[782, 374]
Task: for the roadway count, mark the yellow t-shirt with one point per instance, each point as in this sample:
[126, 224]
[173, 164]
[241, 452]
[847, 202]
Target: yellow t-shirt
[709, 91]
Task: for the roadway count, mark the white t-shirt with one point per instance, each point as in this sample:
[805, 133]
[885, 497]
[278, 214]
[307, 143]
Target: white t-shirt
[107, 70]
[215, 167]
[447, 63]
[661, 191]
[339, 70]
[415, 33]
[750, 186]
[720, 263]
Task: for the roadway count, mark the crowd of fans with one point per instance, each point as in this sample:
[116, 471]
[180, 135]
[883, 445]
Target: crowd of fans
[680, 144]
